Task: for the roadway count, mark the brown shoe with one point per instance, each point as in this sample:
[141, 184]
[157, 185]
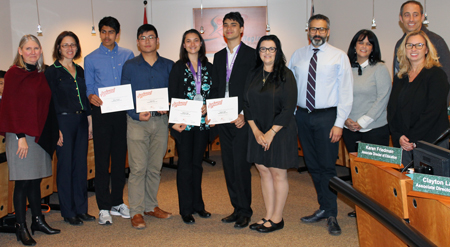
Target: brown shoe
[138, 221]
[159, 213]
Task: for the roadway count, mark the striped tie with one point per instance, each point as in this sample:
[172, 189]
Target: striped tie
[311, 88]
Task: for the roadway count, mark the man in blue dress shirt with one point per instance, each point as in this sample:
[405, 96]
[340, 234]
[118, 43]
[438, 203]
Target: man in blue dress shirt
[147, 131]
[103, 68]
[325, 96]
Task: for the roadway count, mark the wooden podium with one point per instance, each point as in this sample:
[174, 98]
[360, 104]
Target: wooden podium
[430, 215]
[385, 185]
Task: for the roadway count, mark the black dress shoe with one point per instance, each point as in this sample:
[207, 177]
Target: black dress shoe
[333, 226]
[254, 226]
[204, 214]
[75, 221]
[315, 217]
[272, 227]
[86, 217]
[242, 221]
[230, 218]
[39, 224]
[352, 214]
[188, 219]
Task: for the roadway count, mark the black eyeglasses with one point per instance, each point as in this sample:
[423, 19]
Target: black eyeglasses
[321, 30]
[419, 46]
[265, 49]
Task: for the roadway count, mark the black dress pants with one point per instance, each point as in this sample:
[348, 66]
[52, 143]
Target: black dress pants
[378, 136]
[233, 144]
[72, 165]
[110, 140]
[319, 153]
[191, 146]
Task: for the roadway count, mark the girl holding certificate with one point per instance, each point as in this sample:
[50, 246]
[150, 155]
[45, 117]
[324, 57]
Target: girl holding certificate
[190, 79]
[270, 98]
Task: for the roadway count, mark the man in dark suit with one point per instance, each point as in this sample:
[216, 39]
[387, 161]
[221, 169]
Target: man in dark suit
[231, 66]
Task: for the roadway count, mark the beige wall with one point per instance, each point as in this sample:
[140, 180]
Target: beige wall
[173, 17]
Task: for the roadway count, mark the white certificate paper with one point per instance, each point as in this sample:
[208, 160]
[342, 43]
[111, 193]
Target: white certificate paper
[116, 98]
[222, 110]
[152, 100]
[185, 111]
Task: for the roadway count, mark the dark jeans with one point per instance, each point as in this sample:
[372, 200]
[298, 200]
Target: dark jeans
[110, 140]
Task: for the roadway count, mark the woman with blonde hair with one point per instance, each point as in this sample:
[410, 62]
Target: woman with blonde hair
[417, 108]
[27, 122]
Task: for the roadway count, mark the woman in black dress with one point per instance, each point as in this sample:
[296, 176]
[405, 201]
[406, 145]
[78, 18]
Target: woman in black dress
[190, 79]
[417, 108]
[270, 99]
[66, 80]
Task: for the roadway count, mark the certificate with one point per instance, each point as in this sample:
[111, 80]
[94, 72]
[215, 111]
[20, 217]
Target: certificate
[116, 98]
[222, 110]
[185, 111]
[152, 100]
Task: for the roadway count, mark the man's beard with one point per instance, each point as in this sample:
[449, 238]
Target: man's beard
[318, 42]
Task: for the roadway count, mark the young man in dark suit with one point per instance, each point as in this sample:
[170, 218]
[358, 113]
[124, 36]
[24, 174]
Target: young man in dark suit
[231, 66]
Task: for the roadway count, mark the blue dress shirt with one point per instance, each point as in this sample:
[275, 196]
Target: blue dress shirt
[141, 75]
[334, 79]
[103, 68]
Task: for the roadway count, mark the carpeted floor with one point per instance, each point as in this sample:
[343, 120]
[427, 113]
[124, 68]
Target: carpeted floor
[206, 232]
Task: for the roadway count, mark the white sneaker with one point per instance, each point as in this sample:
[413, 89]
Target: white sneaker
[104, 218]
[121, 210]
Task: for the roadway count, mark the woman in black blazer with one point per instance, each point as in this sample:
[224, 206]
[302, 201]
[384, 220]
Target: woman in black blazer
[417, 108]
[190, 79]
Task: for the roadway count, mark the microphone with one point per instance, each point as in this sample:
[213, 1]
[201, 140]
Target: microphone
[442, 136]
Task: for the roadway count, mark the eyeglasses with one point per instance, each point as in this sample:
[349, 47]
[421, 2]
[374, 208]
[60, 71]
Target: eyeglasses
[144, 38]
[265, 49]
[419, 46]
[67, 46]
[322, 30]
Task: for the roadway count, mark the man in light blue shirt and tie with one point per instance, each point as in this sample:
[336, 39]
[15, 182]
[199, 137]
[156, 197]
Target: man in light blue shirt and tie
[325, 96]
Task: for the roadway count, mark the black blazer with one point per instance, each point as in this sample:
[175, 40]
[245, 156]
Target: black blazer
[245, 61]
[423, 110]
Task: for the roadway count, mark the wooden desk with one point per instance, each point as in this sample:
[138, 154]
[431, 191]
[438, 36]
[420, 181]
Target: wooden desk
[430, 215]
[380, 182]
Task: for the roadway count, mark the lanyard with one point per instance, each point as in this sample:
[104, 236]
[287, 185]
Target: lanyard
[230, 68]
[198, 76]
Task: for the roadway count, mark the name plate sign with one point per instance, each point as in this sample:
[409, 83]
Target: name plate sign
[380, 153]
[431, 184]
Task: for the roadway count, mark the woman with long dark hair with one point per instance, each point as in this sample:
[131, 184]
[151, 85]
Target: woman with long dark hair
[371, 89]
[270, 99]
[26, 122]
[190, 79]
[66, 80]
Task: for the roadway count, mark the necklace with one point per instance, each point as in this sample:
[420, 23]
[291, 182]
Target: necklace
[265, 77]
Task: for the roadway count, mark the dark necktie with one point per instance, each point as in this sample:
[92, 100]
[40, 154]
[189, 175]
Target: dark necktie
[311, 87]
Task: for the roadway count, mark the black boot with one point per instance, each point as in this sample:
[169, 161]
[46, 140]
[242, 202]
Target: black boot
[23, 234]
[39, 224]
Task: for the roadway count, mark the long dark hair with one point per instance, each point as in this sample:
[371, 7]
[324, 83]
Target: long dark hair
[201, 53]
[279, 75]
[375, 55]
